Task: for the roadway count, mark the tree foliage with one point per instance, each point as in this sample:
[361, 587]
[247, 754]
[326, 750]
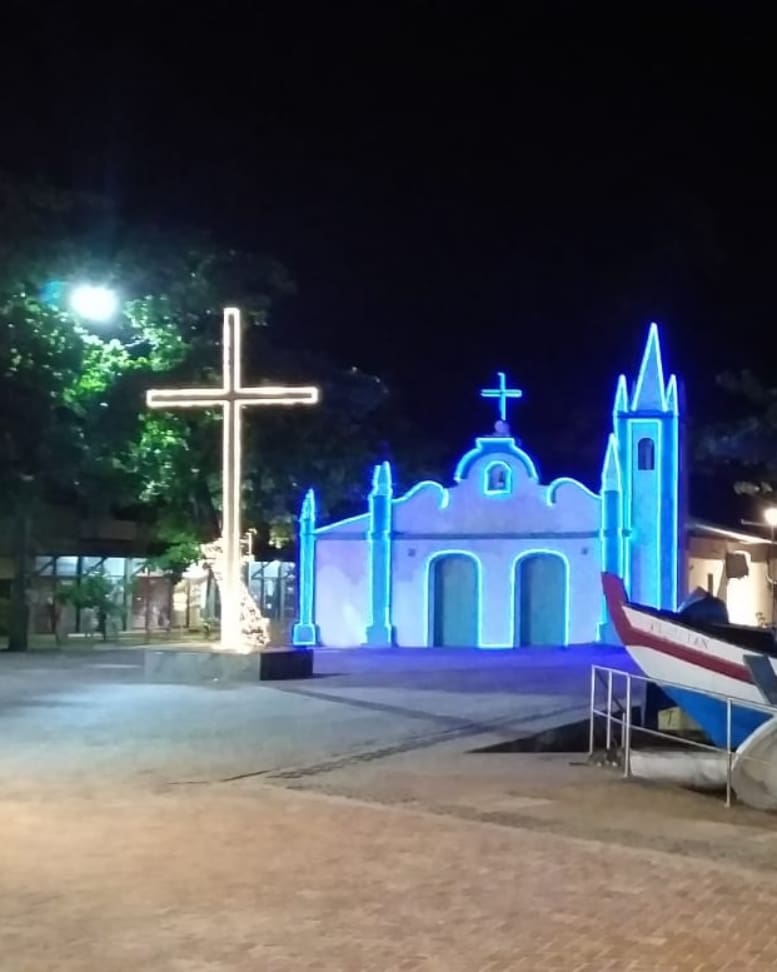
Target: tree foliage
[746, 445]
[97, 592]
[73, 421]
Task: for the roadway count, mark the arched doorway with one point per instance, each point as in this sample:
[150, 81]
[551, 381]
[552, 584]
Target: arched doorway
[453, 601]
[540, 607]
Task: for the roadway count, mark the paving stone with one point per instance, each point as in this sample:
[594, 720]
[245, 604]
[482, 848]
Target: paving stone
[276, 879]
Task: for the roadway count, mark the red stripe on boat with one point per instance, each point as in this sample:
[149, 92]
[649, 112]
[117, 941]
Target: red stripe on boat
[615, 595]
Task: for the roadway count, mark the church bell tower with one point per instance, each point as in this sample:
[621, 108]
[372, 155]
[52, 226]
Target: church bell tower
[646, 420]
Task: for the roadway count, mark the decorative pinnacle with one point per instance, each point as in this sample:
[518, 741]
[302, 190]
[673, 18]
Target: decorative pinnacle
[611, 469]
[649, 392]
[381, 480]
[308, 511]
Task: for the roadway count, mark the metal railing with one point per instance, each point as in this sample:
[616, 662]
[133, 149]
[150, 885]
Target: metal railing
[623, 717]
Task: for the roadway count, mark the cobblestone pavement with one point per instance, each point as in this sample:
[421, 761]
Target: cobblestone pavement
[256, 877]
[57, 708]
[349, 824]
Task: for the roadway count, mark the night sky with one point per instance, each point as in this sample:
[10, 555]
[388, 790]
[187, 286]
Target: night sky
[455, 189]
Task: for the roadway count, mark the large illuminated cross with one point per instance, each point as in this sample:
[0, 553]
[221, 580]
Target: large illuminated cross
[502, 393]
[231, 397]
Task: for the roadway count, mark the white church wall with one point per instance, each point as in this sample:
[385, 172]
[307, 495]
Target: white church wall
[341, 591]
[586, 596]
[497, 529]
[465, 509]
[496, 561]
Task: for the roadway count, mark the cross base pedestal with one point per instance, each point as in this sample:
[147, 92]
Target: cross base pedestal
[212, 666]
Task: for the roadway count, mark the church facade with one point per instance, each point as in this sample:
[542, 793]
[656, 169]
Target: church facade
[500, 559]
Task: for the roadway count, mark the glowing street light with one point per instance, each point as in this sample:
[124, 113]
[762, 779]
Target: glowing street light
[770, 515]
[94, 302]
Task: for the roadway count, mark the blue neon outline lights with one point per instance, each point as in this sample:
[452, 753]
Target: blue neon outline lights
[646, 454]
[497, 445]
[621, 405]
[502, 393]
[611, 529]
[612, 478]
[427, 484]
[672, 397]
[428, 601]
[651, 394]
[672, 474]
[511, 601]
[654, 406]
[504, 490]
[514, 591]
[638, 519]
[362, 518]
[646, 528]
[553, 488]
[305, 633]
[379, 628]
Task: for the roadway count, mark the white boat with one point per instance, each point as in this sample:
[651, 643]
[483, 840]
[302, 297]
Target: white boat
[702, 655]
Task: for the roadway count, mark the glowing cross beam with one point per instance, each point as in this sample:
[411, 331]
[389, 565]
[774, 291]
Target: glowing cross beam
[502, 393]
[232, 397]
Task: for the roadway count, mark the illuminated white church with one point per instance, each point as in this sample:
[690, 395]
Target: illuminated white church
[500, 559]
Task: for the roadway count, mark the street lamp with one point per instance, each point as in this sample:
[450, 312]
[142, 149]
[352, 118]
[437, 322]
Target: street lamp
[93, 302]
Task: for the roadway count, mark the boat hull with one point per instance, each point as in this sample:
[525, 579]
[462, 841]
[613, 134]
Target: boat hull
[669, 651]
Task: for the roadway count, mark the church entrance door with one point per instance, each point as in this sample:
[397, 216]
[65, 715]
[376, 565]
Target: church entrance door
[453, 601]
[540, 600]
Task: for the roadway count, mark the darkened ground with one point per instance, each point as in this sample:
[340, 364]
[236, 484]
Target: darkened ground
[348, 823]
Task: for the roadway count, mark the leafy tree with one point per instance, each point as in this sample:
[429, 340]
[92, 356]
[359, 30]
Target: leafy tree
[72, 418]
[97, 592]
[745, 446]
[73, 422]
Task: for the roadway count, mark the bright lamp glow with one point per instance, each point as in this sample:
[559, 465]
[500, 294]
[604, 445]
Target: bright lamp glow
[770, 515]
[94, 303]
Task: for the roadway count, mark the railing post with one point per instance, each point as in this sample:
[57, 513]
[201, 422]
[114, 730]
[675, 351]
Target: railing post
[591, 713]
[728, 752]
[608, 737]
[626, 745]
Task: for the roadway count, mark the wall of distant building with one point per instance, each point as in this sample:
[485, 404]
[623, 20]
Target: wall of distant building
[738, 571]
[147, 600]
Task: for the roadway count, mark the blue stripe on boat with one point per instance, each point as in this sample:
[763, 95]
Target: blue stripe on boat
[710, 714]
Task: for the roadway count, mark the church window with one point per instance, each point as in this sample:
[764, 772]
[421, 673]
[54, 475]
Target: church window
[646, 454]
[499, 478]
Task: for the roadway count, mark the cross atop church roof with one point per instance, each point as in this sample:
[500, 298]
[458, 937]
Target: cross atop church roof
[501, 393]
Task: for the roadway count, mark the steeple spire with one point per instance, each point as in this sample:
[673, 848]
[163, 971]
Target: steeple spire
[672, 398]
[611, 468]
[650, 391]
[381, 480]
[621, 396]
[308, 513]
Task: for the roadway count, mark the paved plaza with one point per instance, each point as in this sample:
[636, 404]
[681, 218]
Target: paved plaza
[353, 822]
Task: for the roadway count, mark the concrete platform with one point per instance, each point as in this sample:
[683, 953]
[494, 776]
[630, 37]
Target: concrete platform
[197, 666]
